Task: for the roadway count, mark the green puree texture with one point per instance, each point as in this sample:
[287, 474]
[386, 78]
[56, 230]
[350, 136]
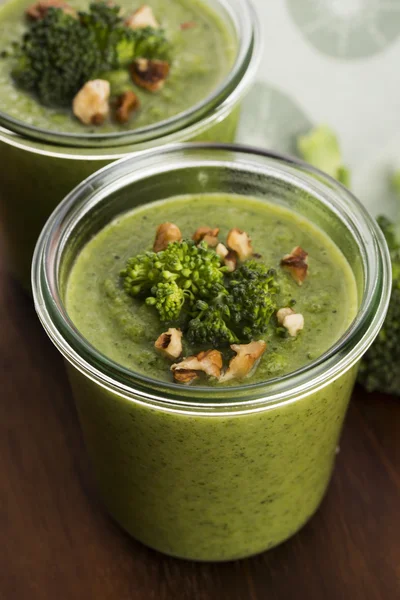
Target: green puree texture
[198, 485]
[125, 329]
[211, 487]
[202, 57]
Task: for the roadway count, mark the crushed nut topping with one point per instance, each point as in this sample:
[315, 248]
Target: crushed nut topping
[245, 360]
[149, 74]
[91, 103]
[222, 251]
[142, 17]
[240, 242]
[293, 323]
[206, 234]
[169, 343]
[127, 103]
[165, 234]
[296, 263]
[188, 25]
[210, 362]
[185, 376]
[290, 320]
[231, 260]
[38, 11]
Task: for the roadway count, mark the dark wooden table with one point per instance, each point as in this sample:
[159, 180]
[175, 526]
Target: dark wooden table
[57, 544]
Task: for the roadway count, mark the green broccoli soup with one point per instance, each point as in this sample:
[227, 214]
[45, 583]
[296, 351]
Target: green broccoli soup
[211, 289]
[73, 67]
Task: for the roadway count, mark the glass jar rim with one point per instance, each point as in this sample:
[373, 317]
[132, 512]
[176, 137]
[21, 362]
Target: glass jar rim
[225, 95]
[113, 153]
[170, 396]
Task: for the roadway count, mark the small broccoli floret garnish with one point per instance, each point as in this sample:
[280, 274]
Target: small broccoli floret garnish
[60, 52]
[182, 272]
[141, 273]
[168, 299]
[219, 307]
[379, 370]
[210, 325]
[209, 305]
[194, 268]
[251, 303]
[238, 311]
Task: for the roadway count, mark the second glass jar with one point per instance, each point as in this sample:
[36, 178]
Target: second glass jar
[38, 171]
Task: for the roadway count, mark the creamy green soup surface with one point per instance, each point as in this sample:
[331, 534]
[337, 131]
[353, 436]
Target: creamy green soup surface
[125, 329]
[202, 56]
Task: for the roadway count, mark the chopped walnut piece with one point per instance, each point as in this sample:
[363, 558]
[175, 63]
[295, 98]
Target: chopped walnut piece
[240, 242]
[188, 25]
[283, 313]
[169, 343]
[165, 234]
[293, 323]
[142, 17]
[149, 74]
[229, 257]
[38, 11]
[210, 362]
[211, 240]
[91, 104]
[222, 251]
[296, 263]
[127, 103]
[246, 357]
[290, 320]
[230, 261]
[206, 234]
[185, 376]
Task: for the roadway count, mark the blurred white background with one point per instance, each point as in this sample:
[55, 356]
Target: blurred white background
[334, 62]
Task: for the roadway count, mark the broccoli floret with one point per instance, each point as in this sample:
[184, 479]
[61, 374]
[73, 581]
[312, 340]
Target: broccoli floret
[320, 148]
[194, 270]
[188, 282]
[150, 43]
[379, 369]
[240, 311]
[210, 323]
[141, 273]
[54, 58]
[168, 298]
[60, 52]
[250, 299]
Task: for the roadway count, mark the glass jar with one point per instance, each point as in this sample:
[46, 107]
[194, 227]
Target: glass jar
[211, 473]
[40, 167]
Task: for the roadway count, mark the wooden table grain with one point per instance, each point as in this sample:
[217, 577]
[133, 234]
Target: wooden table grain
[56, 543]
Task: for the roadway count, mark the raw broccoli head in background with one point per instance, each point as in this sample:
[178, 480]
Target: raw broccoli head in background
[60, 52]
[320, 148]
[380, 367]
[251, 298]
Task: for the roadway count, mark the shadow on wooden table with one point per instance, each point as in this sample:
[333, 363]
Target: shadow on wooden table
[59, 545]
